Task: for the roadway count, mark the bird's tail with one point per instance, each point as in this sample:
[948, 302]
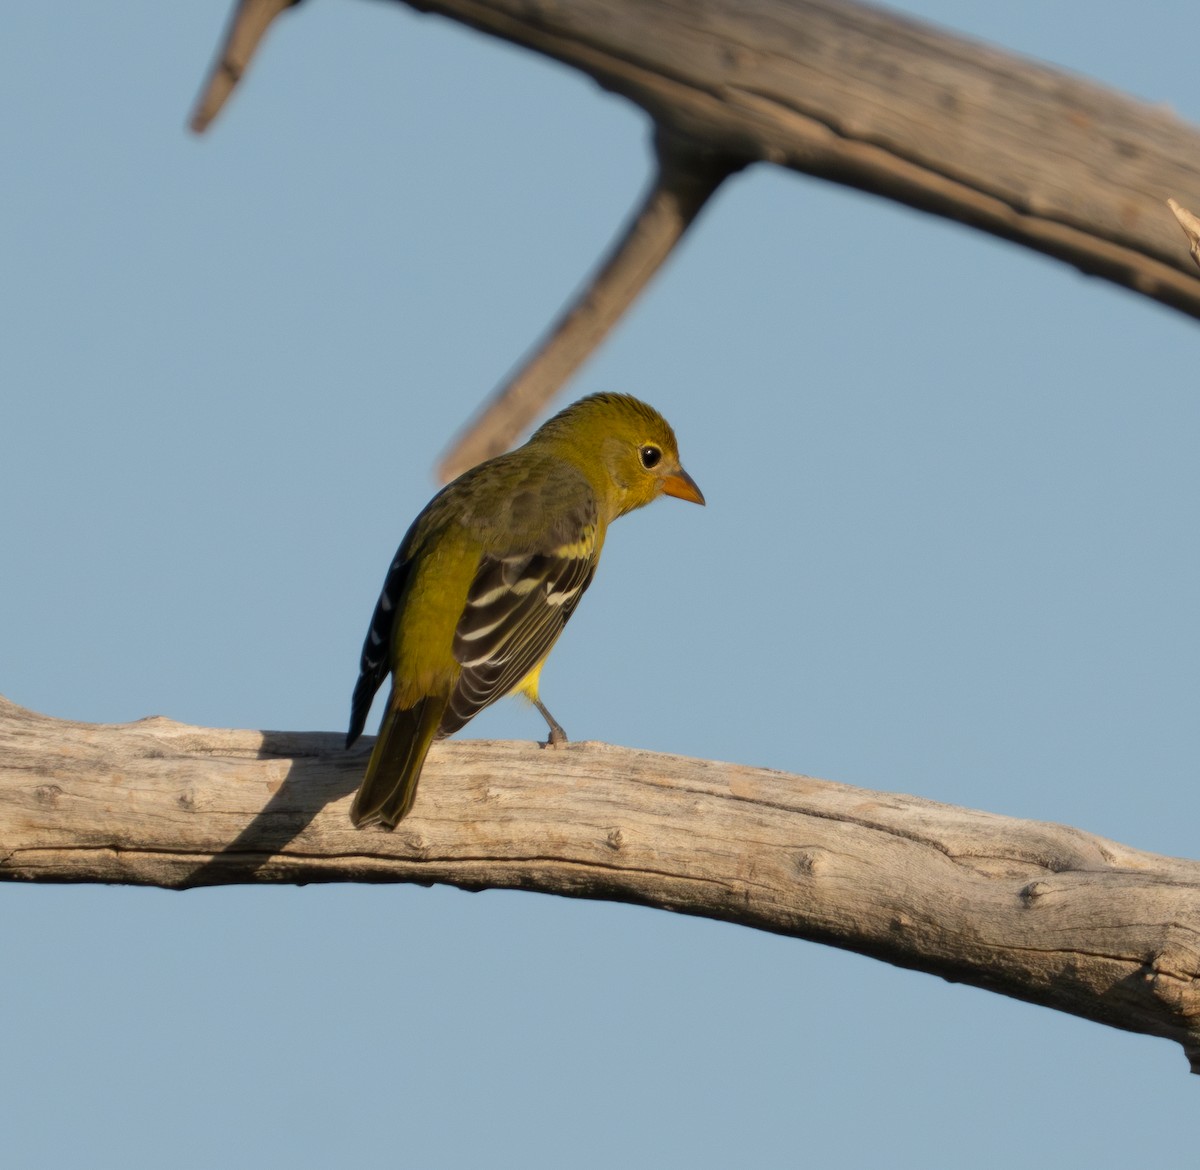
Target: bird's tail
[390, 785]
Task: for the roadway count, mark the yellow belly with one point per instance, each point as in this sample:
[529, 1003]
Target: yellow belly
[528, 686]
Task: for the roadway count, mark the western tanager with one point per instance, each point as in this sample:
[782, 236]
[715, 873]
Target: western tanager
[488, 575]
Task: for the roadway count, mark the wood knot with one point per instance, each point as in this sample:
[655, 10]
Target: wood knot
[615, 839]
[47, 794]
[736, 58]
[1035, 890]
[807, 862]
[186, 800]
[1170, 976]
[415, 843]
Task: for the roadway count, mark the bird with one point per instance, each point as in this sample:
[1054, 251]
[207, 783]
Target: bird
[489, 574]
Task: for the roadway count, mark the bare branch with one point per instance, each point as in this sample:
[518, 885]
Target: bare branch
[685, 179]
[878, 101]
[248, 23]
[1037, 911]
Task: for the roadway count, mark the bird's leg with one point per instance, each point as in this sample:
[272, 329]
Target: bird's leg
[557, 736]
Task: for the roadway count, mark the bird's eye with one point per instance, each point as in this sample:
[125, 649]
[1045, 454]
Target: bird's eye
[649, 455]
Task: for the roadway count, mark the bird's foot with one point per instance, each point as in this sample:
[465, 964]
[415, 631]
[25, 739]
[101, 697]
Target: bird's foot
[558, 737]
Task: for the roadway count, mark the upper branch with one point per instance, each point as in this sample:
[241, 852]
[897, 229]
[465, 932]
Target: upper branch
[1037, 911]
[893, 106]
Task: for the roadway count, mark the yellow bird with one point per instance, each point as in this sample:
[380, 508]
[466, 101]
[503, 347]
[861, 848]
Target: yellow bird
[489, 573]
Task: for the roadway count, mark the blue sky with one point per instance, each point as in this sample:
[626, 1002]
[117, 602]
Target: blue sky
[950, 549]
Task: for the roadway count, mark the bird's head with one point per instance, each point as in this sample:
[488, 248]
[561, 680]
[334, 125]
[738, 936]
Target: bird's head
[625, 447]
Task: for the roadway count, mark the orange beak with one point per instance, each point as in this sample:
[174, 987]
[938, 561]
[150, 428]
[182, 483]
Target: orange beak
[681, 485]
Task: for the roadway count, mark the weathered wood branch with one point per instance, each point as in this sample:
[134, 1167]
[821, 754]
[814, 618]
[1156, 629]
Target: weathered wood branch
[1037, 911]
[244, 31]
[894, 106]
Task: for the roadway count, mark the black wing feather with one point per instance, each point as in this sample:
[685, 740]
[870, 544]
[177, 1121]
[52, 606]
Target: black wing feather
[516, 608]
[374, 664]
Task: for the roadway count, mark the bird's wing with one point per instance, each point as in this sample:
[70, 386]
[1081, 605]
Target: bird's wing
[374, 664]
[516, 607]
